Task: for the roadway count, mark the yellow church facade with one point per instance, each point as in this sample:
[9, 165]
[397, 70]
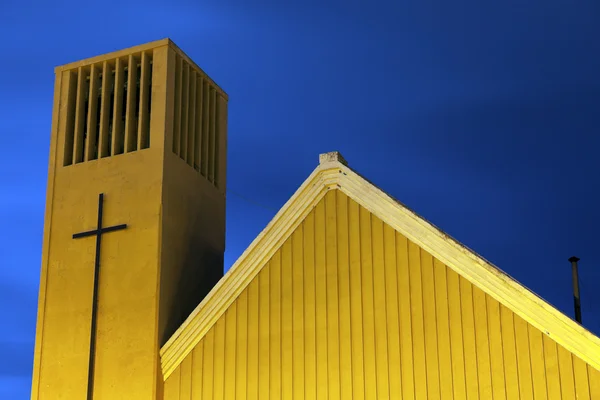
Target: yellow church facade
[346, 294]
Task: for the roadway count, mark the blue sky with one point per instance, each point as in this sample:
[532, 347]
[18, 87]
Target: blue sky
[481, 116]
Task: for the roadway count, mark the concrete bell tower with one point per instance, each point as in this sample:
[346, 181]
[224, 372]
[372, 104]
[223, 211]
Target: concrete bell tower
[134, 230]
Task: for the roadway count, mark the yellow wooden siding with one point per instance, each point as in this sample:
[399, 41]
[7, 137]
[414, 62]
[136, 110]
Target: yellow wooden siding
[348, 308]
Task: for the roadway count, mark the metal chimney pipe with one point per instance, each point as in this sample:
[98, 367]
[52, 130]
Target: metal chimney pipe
[577, 300]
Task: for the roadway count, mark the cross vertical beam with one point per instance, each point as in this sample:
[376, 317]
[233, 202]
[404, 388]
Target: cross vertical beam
[98, 232]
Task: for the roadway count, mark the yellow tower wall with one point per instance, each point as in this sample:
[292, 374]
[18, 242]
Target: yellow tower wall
[348, 308]
[193, 196]
[142, 265]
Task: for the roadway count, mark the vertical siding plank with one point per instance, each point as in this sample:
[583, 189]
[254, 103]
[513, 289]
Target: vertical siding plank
[185, 378]
[191, 144]
[219, 359]
[275, 325]
[496, 352]
[144, 115]
[178, 104]
[287, 321]
[198, 124]
[380, 311]
[91, 149]
[82, 88]
[582, 385]
[482, 343]
[242, 347]
[197, 370]
[253, 302]
[594, 376]
[130, 117]
[456, 334]
[538, 369]
[356, 317]
[368, 306]
[118, 136]
[511, 372]
[430, 326]
[551, 367]
[565, 367]
[333, 335]
[345, 336]
[298, 313]
[404, 309]
[321, 301]
[308, 230]
[263, 332]
[171, 390]
[391, 298]
[469, 341]
[230, 348]
[418, 332]
[208, 364]
[523, 358]
[443, 329]
[106, 99]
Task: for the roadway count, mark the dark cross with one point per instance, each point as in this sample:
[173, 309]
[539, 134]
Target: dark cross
[98, 233]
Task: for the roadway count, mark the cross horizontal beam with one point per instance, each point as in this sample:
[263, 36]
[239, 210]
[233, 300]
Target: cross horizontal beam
[95, 232]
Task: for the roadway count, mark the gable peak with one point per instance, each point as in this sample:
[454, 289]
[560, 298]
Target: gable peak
[332, 156]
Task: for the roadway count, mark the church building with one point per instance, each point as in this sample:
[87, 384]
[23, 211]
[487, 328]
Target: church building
[346, 294]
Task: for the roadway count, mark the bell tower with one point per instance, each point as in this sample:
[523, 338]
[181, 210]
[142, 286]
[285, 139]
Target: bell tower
[134, 230]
